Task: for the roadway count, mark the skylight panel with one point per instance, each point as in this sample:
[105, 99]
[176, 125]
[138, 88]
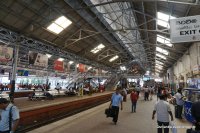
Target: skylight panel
[97, 49]
[157, 70]
[161, 56]
[55, 28]
[63, 22]
[123, 68]
[159, 66]
[71, 62]
[89, 68]
[59, 25]
[163, 23]
[163, 19]
[162, 50]
[114, 58]
[158, 62]
[48, 55]
[164, 40]
[60, 59]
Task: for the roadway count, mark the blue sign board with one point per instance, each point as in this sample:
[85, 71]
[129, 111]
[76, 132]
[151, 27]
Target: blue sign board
[187, 111]
[22, 73]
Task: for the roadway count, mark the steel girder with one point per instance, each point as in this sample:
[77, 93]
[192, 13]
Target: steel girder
[186, 2]
[9, 37]
[92, 20]
[122, 42]
[107, 53]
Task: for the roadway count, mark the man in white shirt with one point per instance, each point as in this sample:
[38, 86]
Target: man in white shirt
[146, 93]
[179, 103]
[9, 116]
[138, 89]
[163, 111]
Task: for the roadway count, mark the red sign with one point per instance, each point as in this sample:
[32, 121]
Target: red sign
[81, 67]
[58, 65]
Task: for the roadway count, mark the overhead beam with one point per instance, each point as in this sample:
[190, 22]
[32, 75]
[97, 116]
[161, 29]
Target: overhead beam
[90, 19]
[9, 37]
[185, 2]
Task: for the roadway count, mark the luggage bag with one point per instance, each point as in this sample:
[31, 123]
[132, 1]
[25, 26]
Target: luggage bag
[109, 112]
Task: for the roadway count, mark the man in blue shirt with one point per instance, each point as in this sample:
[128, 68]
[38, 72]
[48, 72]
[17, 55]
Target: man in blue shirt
[115, 102]
[9, 116]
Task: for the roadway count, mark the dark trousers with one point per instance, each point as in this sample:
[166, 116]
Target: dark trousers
[146, 96]
[166, 130]
[180, 110]
[134, 103]
[4, 131]
[115, 113]
[138, 93]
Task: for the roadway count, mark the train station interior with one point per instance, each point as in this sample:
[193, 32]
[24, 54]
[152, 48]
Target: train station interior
[99, 66]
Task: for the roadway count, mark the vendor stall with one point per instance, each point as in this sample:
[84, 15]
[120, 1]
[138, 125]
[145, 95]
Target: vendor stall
[192, 95]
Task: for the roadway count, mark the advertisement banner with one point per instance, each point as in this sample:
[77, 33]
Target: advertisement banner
[59, 65]
[81, 67]
[6, 53]
[187, 111]
[185, 29]
[196, 69]
[22, 73]
[38, 59]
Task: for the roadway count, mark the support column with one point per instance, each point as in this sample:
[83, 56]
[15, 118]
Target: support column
[14, 69]
[47, 82]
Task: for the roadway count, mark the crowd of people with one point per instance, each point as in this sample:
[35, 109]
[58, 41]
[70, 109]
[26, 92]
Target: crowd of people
[162, 108]
[5, 87]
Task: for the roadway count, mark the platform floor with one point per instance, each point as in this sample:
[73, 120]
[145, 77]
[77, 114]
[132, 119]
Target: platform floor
[25, 104]
[95, 121]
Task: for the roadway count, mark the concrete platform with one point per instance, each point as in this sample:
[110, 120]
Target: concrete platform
[95, 121]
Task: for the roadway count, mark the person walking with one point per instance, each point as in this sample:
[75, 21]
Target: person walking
[138, 89]
[134, 97]
[151, 92]
[124, 94]
[163, 111]
[9, 116]
[179, 103]
[195, 110]
[146, 93]
[116, 100]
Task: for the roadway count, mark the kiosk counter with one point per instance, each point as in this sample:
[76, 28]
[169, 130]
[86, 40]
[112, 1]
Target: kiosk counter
[192, 95]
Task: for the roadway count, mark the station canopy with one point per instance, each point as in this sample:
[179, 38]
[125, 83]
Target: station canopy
[105, 34]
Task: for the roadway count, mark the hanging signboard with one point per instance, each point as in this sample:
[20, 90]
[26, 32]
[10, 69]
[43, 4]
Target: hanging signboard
[22, 73]
[81, 68]
[38, 59]
[185, 29]
[6, 53]
[59, 65]
[196, 69]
